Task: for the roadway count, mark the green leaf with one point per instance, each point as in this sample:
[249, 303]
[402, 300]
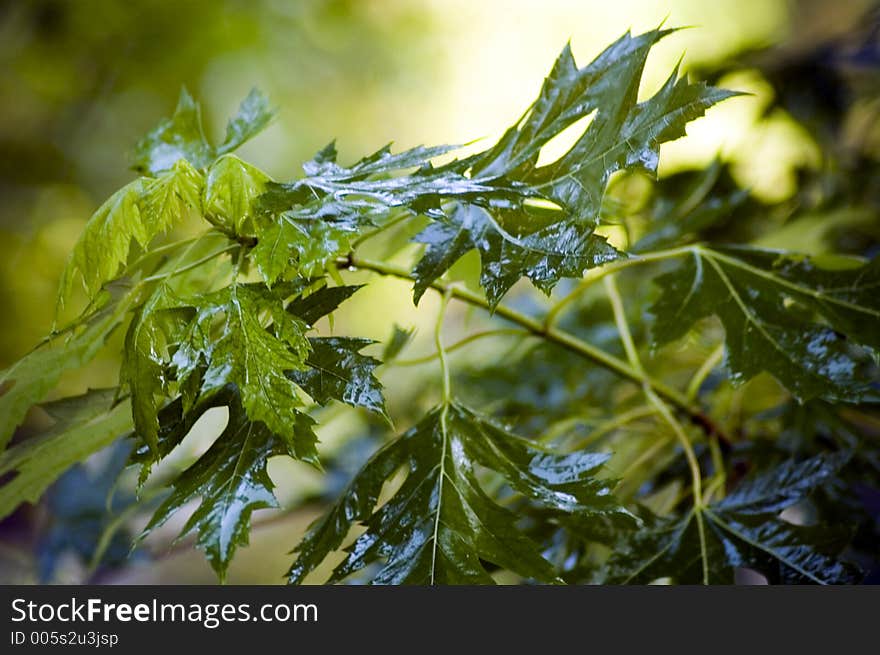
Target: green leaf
[253, 116]
[317, 304]
[104, 245]
[182, 135]
[226, 343]
[441, 525]
[148, 345]
[299, 246]
[742, 530]
[175, 138]
[337, 371]
[231, 480]
[83, 425]
[31, 378]
[231, 190]
[398, 340]
[139, 211]
[170, 196]
[544, 255]
[781, 313]
[687, 203]
[487, 202]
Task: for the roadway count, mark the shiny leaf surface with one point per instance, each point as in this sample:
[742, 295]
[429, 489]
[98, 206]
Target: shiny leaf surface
[743, 530]
[782, 313]
[441, 525]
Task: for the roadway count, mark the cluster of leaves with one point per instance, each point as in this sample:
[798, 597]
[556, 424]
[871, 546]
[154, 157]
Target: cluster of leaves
[228, 318]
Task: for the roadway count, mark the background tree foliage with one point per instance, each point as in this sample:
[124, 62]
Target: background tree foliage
[690, 399]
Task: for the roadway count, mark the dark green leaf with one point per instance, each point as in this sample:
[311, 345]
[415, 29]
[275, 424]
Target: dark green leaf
[337, 371]
[441, 525]
[768, 302]
[397, 342]
[231, 480]
[544, 256]
[688, 203]
[314, 306]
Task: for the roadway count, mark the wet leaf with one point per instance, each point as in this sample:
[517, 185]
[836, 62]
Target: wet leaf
[231, 482]
[743, 530]
[441, 525]
[810, 327]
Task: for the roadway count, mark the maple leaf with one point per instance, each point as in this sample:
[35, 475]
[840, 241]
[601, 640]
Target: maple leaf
[743, 529]
[782, 313]
[231, 481]
[441, 525]
[486, 201]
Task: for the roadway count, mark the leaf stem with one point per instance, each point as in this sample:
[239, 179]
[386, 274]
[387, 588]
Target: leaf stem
[441, 351]
[444, 429]
[694, 465]
[611, 425]
[381, 228]
[596, 274]
[459, 344]
[191, 266]
[548, 333]
[704, 371]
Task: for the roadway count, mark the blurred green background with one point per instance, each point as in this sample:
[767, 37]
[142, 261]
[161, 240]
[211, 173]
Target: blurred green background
[81, 81]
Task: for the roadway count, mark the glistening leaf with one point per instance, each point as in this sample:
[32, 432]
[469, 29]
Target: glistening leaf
[226, 342]
[782, 313]
[743, 530]
[317, 304]
[175, 138]
[486, 202]
[231, 481]
[182, 135]
[560, 249]
[441, 525]
[337, 371]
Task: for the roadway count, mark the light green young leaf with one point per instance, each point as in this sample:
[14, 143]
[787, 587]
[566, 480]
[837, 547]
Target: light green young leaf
[138, 212]
[231, 189]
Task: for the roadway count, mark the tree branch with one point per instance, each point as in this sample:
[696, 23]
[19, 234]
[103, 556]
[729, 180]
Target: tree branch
[554, 335]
